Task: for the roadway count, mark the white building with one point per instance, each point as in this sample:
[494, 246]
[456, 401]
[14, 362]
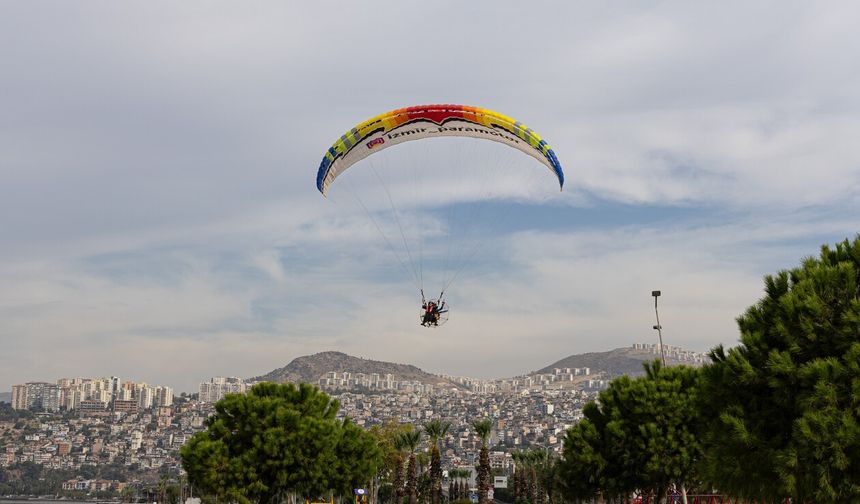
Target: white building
[216, 388]
[145, 397]
[19, 397]
[136, 440]
[163, 396]
[39, 396]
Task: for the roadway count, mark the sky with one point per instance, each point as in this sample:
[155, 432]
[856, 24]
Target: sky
[159, 219]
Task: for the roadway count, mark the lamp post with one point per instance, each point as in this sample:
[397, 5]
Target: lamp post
[658, 327]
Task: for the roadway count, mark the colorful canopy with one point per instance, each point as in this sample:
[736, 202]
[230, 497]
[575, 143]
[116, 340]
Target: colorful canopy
[428, 121]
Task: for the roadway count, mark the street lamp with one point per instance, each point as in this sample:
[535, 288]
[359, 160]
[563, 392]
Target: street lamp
[658, 327]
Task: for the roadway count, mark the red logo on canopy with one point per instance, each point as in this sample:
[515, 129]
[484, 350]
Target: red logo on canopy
[375, 141]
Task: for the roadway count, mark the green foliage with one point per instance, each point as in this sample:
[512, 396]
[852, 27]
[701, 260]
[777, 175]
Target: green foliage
[457, 487]
[389, 438]
[503, 495]
[640, 435]
[7, 414]
[30, 478]
[784, 406]
[483, 429]
[461, 501]
[534, 479]
[385, 493]
[278, 439]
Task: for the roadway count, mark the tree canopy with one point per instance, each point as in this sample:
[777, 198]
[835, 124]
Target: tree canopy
[776, 417]
[279, 439]
[639, 436]
[784, 405]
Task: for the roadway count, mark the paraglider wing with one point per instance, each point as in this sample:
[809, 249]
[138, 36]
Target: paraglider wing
[428, 121]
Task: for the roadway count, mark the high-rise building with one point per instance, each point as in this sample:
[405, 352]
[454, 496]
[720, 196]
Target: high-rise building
[216, 388]
[115, 384]
[96, 389]
[145, 397]
[70, 398]
[50, 393]
[38, 396]
[125, 394]
[163, 396]
[98, 394]
[19, 397]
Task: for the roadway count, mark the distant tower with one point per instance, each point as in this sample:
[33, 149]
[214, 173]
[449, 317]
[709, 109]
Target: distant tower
[115, 385]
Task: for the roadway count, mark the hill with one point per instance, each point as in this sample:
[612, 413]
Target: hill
[609, 364]
[623, 361]
[311, 368]
[6, 397]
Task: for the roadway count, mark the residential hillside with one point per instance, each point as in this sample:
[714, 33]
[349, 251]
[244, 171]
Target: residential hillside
[625, 361]
[311, 368]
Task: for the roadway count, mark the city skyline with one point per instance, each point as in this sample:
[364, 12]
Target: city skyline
[223, 383]
[147, 441]
[90, 395]
[159, 212]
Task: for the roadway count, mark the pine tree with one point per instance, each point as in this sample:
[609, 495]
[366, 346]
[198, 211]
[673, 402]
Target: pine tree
[278, 439]
[641, 435]
[784, 405]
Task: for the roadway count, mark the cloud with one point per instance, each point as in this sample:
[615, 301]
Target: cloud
[744, 158]
[157, 163]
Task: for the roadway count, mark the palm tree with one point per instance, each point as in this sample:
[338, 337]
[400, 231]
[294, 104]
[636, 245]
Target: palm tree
[435, 429]
[519, 473]
[460, 484]
[483, 428]
[411, 440]
[128, 494]
[534, 476]
[399, 446]
[464, 483]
